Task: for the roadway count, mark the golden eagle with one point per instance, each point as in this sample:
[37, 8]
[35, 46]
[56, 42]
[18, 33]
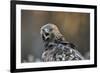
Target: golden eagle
[56, 48]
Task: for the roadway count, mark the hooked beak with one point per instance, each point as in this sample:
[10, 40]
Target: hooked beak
[45, 36]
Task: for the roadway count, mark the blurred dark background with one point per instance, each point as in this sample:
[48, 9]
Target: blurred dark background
[74, 26]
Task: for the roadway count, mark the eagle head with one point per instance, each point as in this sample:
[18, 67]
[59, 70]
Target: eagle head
[50, 32]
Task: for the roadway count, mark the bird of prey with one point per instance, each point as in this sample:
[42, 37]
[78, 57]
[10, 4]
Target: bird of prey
[56, 48]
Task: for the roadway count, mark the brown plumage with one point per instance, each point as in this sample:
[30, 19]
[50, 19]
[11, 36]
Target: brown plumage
[56, 48]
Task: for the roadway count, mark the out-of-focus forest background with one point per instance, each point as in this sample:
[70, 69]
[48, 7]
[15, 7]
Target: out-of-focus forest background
[74, 26]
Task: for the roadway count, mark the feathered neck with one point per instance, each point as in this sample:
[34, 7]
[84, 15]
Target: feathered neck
[54, 41]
